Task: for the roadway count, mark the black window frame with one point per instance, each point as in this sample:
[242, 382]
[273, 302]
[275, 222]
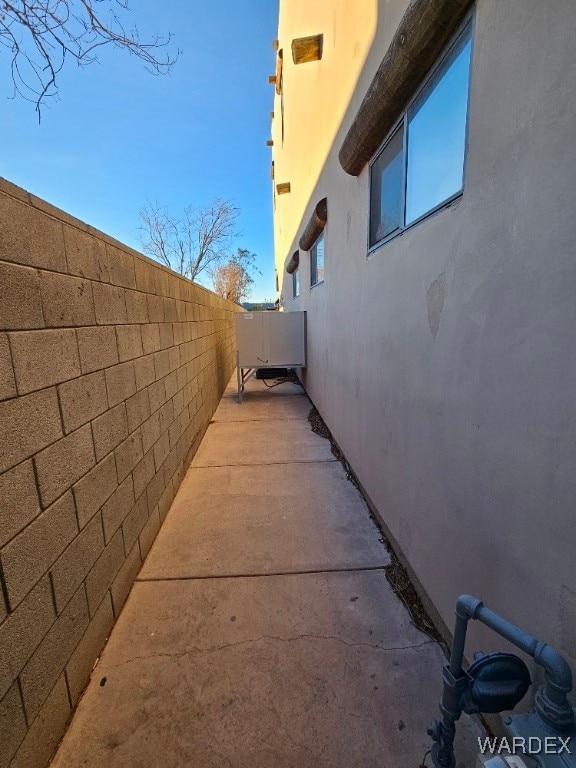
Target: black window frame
[465, 29]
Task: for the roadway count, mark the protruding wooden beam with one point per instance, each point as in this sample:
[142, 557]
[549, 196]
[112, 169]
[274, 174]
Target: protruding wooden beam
[425, 28]
[292, 265]
[315, 226]
[272, 79]
[275, 44]
[279, 62]
[270, 143]
[307, 49]
[283, 188]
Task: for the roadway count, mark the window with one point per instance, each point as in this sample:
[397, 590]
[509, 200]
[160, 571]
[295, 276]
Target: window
[296, 283]
[317, 262]
[421, 164]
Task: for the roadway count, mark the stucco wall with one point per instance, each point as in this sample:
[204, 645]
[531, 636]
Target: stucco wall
[444, 363]
[308, 114]
[110, 369]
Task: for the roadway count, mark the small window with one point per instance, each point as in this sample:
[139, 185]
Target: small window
[421, 165]
[317, 262]
[296, 283]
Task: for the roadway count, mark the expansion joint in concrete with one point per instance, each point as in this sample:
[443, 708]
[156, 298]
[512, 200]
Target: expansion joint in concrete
[266, 463]
[263, 420]
[302, 572]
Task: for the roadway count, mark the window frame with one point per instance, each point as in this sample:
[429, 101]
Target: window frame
[314, 255]
[467, 27]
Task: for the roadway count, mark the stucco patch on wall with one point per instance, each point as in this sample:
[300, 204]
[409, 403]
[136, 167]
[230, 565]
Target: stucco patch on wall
[435, 297]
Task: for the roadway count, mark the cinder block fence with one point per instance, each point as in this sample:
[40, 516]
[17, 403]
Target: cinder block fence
[110, 369]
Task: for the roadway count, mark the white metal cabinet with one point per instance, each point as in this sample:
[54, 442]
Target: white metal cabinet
[271, 339]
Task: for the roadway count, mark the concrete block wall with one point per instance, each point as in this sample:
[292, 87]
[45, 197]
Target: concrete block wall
[110, 369]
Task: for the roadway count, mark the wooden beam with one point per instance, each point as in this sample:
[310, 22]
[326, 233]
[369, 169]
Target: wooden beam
[306, 49]
[278, 81]
[315, 226]
[283, 188]
[292, 265]
[425, 28]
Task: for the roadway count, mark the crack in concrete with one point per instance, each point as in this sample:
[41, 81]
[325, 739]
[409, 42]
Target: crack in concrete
[217, 649]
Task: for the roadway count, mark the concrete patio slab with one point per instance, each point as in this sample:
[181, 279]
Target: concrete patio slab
[262, 632]
[262, 407]
[300, 671]
[272, 441]
[277, 518]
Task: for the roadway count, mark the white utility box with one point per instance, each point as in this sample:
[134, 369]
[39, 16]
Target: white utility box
[271, 339]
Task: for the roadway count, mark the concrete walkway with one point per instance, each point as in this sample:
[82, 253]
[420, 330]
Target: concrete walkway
[261, 632]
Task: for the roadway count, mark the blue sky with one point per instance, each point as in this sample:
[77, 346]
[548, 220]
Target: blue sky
[116, 135]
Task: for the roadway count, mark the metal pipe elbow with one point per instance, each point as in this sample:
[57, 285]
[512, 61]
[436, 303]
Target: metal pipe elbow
[551, 702]
[557, 669]
[468, 607]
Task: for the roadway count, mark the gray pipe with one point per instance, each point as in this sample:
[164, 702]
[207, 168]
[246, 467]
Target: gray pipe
[551, 702]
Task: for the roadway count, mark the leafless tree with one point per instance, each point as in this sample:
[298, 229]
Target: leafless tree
[195, 242]
[40, 35]
[232, 280]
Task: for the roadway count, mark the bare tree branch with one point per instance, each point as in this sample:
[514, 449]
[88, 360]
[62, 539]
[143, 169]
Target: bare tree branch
[194, 243]
[41, 34]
